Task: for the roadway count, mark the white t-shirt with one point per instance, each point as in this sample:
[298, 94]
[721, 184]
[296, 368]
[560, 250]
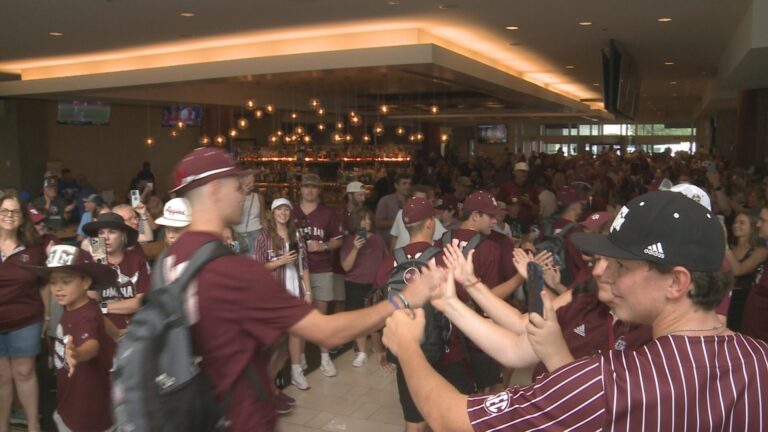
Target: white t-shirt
[251, 215]
[401, 234]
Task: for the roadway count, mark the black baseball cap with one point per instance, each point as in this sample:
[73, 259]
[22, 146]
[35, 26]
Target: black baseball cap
[664, 227]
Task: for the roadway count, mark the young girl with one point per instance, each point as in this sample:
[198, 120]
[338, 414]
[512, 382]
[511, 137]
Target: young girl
[83, 349]
[279, 249]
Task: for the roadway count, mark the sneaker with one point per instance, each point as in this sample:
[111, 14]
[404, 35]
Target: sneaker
[360, 359]
[18, 417]
[304, 364]
[298, 379]
[281, 406]
[328, 368]
[289, 400]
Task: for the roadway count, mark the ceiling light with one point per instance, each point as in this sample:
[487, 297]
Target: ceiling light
[56, 34]
[320, 111]
[187, 14]
[434, 109]
[673, 82]
[366, 139]
[668, 63]
[585, 23]
[384, 109]
[400, 131]
[204, 140]
[596, 84]
[444, 137]
[570, 67]
[448, 6]
[232, 132]
[242, 123]
[250, 104]
[314, 102]
[513, 28]
[258, 113]
[321, 127]
[269, 108]
[664, 20]
[294, 115]
[393, 2]
[149, 141]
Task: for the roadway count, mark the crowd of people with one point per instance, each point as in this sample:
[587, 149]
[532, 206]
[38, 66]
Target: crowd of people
[642, 324]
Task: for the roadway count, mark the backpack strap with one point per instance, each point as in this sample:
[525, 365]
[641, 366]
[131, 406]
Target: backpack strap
[428, 254]
[447, 238]
[400, 255]
[473, 242]
[565, 229]
[207, 253]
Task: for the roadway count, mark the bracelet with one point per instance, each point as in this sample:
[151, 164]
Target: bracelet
[393, 303]
[477, 281]
[405, 301]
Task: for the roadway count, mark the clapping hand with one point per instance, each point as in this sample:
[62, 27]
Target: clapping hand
[445, 291]
[462, 267]
[546, 336]
[405, 328]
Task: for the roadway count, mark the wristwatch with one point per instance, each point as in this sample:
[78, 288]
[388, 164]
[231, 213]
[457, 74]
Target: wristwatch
[104, 307]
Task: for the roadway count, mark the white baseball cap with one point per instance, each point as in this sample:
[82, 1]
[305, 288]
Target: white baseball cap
[281, 201]
[693, 192]
[522, 166]
[355, 186]
[176, 213]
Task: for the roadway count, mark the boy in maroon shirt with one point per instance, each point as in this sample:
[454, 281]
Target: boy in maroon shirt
[235, 306]
[82, 351]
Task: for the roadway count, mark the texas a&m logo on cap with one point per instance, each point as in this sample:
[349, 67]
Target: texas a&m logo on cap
[497, 404]
[61, 255]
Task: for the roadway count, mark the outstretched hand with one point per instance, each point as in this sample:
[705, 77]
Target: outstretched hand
[404, 329]
[546, 336]
[444, 291]
[462, 267]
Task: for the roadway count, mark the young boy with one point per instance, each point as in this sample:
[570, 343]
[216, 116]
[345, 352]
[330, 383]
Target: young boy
[83, 349]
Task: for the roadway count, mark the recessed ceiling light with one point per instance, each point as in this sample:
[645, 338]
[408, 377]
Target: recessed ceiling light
[187, 14]
[570, 67]
[664, 20]
[393, 2]
[672, 82]
[513, 28]
[668, 63]
[596, 84]
[56, 34]
[585, 23]
[448, 6]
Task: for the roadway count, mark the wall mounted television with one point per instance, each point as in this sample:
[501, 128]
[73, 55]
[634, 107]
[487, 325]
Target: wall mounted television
[189, 114]
[83, 113]
[492, 134]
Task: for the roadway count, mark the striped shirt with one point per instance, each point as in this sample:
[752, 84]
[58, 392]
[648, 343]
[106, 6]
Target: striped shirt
[673, 383]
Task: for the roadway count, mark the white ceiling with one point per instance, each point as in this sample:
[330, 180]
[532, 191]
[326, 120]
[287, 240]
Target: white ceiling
[549, 37]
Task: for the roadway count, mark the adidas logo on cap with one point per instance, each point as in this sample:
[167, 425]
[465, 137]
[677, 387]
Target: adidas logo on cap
[655, 250]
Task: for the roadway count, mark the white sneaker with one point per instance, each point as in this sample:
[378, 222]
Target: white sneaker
[328, 368]
[360, 360]
[298, 379]
[304, 364]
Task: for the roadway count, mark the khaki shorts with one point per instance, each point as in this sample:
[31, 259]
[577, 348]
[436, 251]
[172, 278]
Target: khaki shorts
[327, 286]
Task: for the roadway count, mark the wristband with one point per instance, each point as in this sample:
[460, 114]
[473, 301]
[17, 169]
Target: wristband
[404, 300]
[393, 303]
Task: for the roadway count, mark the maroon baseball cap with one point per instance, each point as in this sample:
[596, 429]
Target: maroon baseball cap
[596, 221]
[416, 210]
[35, 216]
[202, 166]
[568, 195]
[483, 202]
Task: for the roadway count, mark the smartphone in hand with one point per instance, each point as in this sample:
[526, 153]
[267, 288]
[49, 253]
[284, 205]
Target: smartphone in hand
[362, 233]
[98, 249]
[534, 286]
[135, 198]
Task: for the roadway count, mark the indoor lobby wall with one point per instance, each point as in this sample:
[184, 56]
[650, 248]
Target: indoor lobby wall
[111, 155]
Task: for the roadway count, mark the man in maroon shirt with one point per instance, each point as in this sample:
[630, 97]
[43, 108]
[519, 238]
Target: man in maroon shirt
[572, 203]
[525, 192]
[320, 228]
[235, 306]
[662, 262]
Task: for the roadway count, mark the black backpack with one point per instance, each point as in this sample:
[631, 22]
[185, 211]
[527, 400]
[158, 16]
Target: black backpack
[158, 385]
[405, 268]
[555, 243]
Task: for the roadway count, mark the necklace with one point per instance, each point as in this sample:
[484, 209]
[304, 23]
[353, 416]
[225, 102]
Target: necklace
[695, 330]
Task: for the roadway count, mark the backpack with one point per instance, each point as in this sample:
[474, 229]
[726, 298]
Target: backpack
[406, 269]
[158, 385]
[555, 243]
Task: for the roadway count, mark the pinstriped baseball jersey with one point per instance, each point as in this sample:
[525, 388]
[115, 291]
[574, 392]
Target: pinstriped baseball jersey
[673, 383]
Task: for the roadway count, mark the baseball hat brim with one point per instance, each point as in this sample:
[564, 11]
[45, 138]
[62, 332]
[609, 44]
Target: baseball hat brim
[184, 188]
[171, 223]
[600, 244]
[102, 276]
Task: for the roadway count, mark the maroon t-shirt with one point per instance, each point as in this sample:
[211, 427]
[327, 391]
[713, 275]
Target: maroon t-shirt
[507, 269]
[20, 301]
[237, 309]
[755, 319]
[133, 279]
[486, 263]
[574, 261]
[322, 224]
[368, 258]
[84, 398]
[589, 327]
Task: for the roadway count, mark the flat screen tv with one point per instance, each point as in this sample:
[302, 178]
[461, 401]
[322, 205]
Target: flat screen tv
[492, 134]
[83, 113]
[621, 83]
[189, 114]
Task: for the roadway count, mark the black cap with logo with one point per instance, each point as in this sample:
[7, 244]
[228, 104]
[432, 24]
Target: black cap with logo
[664, 227]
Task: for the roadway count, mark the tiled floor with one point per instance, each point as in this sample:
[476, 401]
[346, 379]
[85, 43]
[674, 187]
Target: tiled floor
[357, 399]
